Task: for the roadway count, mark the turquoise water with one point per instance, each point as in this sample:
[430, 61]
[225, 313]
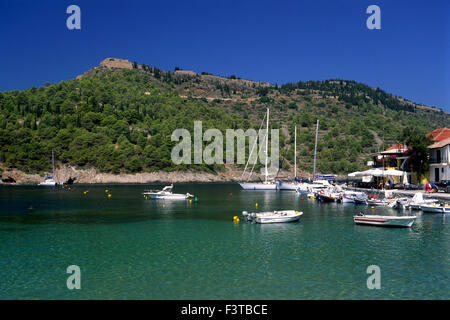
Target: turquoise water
[131, 248]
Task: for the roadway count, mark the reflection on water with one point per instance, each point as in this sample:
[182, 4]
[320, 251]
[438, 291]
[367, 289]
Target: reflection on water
[132, 248]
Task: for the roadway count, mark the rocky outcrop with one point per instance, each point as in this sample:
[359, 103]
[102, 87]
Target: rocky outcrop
[112, 63]
[77, 176]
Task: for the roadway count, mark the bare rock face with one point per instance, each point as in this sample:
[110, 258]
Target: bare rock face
[185, 72]
[111, 63]
[69, 174]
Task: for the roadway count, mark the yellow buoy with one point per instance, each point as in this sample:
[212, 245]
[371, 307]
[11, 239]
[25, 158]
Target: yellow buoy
[164, 205]
[106, 190]
[190, 201]
[146, 198]
[372, 207]
[109, 195]
[256, 204]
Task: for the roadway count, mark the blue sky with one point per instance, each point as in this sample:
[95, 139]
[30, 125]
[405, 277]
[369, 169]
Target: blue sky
[275, 41]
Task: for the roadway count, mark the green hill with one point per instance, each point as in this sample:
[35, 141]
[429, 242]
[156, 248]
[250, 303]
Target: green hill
[119, 116]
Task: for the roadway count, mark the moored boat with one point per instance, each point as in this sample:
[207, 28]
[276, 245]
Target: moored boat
[377, 202]
[385, 221]
[417, 201]
[166, 194]
[273, 216]
[49, 181]
[435, 208]
[327, 198]
[258, 186]
[266, 184]
[360, 199]
[348, 199]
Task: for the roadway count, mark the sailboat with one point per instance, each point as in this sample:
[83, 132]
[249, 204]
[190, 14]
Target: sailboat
[266, 184]
[50, 180]
[315, 185]
[293, 185]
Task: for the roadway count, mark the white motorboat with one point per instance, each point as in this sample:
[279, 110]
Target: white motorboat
[435, 208]
[166, 194]
[418, 200]
[314, 187]
[273, 216]
[258, 186]
[385, 221]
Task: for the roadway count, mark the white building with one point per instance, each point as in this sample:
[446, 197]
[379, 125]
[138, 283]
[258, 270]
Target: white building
[440, 160]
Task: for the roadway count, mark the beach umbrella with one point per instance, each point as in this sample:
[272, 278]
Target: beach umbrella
[353, 174]
[370, 172]
[405, 178]
[393, 172]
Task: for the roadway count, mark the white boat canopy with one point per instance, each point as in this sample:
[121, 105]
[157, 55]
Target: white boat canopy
[377, 173]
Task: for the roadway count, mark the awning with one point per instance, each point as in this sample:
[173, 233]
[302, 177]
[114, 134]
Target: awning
[377, 173]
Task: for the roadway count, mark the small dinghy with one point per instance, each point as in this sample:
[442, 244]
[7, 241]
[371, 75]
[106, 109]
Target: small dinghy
[272, 216]
[384, 221]
[166, 194]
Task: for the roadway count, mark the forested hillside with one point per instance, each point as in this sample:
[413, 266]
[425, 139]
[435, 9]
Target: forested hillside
[120, 118]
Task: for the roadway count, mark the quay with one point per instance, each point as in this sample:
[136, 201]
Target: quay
[410, 193]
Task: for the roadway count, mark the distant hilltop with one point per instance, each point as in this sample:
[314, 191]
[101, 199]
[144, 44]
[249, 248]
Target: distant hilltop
[118, 63]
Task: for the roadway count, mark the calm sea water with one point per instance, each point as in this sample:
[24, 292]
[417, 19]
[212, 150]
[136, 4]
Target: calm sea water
[131, 248]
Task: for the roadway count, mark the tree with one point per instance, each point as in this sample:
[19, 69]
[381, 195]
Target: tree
[418, 143]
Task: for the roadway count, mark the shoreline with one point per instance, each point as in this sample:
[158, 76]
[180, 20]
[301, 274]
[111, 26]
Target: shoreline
[93, 176]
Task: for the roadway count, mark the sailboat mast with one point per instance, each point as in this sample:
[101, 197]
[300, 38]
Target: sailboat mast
[295, 153]
[267, 140]
[315, 151]
[53, 165]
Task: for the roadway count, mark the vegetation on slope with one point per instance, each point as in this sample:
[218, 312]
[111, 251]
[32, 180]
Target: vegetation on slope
[121, 120]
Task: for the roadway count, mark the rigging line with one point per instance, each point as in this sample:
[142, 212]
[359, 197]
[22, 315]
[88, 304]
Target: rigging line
[254, 144]
[259, 152]
[304, 166]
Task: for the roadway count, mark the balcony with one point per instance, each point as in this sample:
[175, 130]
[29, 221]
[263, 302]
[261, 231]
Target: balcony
[438, 161]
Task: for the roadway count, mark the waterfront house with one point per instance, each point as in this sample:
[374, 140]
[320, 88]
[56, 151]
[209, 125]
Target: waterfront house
[440, 160]
[395, 158]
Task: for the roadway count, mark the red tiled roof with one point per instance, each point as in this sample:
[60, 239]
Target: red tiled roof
[440, 144]
[439, 134]
[397, 148]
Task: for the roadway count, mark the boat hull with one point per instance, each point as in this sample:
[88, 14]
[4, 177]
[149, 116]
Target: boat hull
[346, 199]
[258, 186]
[385, 221]
[287, 187]
[324, 198]
[376, 203]
[273, 217]
[276, 219]
[167, 197]
[435, 209]
[48, 184]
